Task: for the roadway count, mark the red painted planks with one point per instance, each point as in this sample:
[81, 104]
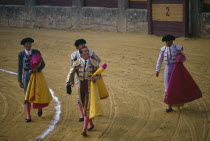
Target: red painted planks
[161, 28]
[54, 2]
[167, 1]
[138, 4]
[102, 3]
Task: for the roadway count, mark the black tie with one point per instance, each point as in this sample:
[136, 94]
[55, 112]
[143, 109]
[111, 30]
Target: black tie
[85, 65]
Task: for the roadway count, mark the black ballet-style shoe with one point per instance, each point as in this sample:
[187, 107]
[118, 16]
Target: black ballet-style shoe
[84, 134]
[169, 110]
[28, 120]
[40, 113]
[91, 128]
[81, 119]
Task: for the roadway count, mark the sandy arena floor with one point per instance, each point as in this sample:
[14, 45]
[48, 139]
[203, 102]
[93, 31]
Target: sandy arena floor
[134, 110]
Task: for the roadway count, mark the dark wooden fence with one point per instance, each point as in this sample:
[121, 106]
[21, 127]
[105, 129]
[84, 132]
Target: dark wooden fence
[102, 3]
[54, 2]
[138, 4]
[206, 5]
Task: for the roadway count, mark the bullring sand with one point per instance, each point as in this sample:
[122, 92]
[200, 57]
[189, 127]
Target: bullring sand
[134, 110]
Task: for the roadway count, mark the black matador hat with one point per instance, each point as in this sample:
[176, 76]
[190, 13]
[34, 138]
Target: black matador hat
[26, 40]
[168, 38]
[79, 42]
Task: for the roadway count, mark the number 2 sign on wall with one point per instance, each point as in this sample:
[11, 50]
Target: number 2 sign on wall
[168, 17]
[167, 12]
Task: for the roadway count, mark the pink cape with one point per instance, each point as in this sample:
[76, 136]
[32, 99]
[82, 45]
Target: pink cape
[182, 88]
[36, 60]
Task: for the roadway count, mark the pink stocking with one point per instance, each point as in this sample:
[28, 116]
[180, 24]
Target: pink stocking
[85, 124]
[81, 110]
[28, 109]
[169, 106]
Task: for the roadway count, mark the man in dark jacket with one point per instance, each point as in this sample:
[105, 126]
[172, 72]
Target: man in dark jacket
[24, 69]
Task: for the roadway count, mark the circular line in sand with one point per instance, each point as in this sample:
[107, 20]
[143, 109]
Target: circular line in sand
[57, 113]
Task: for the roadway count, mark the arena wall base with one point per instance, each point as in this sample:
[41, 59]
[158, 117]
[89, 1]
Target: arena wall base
[76, 17]
[80, 17]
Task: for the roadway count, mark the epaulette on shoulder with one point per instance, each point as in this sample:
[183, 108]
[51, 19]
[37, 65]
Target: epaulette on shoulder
[73, 55]
[77, 62]
[163, 49]
[90, 52]
[178, 47]
[21, 54]
[94, 62]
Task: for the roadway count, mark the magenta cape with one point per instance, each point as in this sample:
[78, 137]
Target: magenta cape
[182, 88]
[36, 60]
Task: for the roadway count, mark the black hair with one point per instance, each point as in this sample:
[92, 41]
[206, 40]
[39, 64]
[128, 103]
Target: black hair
[79, 42]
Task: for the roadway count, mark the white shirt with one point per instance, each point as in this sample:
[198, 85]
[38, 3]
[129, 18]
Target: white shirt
[26, 51]
[86, 63]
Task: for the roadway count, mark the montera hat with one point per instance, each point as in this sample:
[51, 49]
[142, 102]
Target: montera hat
[79, 42]
[168, 38]
[25, 40]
